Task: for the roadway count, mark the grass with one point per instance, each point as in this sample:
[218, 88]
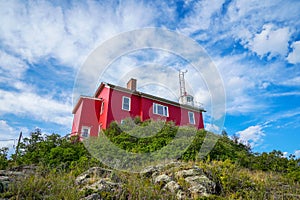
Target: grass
[236, 183]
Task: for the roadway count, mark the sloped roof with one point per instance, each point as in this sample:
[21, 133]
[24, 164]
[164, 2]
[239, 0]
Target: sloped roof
[148, 96]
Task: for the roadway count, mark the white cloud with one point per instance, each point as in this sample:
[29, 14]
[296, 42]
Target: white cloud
[239, 82]
[33, 33]
[212, 127]
[295, 81]
[271, 41]
[252, 135]
[42, 108]
[297, 153]
[11, 67]
[200, 18]
[9, 135]
[282, 94]
[294, 56]
[285, 154]
[41, 30]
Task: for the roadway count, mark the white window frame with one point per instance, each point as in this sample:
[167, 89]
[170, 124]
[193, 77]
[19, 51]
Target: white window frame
[102, 108]
[129, 102]
[191, 120]
[88, 131]
[165, 110]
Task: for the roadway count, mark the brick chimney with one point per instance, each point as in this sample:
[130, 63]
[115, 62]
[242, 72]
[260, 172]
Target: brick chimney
[131, 85]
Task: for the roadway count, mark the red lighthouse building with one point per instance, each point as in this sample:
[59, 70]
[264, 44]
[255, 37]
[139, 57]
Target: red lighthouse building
[115, 103]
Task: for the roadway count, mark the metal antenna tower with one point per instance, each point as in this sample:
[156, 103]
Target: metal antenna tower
[182, 83]
[184, 98]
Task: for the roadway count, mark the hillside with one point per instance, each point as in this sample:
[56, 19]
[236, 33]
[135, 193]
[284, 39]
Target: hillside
[230, 171]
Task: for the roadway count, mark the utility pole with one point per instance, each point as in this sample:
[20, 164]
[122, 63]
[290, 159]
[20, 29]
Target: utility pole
[17, 149]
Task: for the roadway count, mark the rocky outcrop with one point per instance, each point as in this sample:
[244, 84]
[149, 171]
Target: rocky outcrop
[97, 181]
[10, 176]
[187, 182]
[184, 181]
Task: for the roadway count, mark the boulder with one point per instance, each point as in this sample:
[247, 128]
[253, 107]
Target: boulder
[162, 179]
[172, 186]
[201, 185]
[149, 171]
[181, 195]
[94, 196]
[104, 185]
[189, 172]
[99, 181]
[92, 174]
[8, 177]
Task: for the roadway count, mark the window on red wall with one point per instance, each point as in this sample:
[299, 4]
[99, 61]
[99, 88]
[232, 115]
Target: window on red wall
[85, 131]
[126, 103]
[191, 118]
[160, 109]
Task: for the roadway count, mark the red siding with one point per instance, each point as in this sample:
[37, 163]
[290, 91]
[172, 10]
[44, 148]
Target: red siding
[143, 107]
[88, 111]
[105, 98]
[87, 114]
[177, 114]
[76, 120]
[115, 112]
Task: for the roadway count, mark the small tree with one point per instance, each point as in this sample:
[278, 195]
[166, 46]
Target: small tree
[3, 157]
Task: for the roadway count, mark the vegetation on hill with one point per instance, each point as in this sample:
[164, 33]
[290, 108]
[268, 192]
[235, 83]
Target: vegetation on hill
[241, 173]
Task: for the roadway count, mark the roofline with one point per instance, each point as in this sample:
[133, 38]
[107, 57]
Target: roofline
[149, 96]
[80, 100]
[99, 89]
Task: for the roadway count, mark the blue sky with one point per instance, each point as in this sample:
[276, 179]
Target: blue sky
[254, 44]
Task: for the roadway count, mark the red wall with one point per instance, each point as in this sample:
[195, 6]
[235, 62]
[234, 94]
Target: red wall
[88, 112]
[115, 112]
[176, 114]
[143, 107]
[87, 115]
[105, 98]
[76, 120]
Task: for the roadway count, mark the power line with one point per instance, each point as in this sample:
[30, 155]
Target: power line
[2, 140]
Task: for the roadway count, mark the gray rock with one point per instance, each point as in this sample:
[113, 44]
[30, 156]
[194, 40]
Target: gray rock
[198, 190]
[201, 185]
[97, 180]
[92, 174]
[104, 185]
[93, 196]
[172, 186]
[4, 178]
[148, 171]
[181, 195]
[11, 173]
[162, 179]
[8, 177]
[189, 172]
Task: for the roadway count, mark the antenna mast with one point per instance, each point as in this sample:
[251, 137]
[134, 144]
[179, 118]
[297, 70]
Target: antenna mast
[184, 97]
[182, 83]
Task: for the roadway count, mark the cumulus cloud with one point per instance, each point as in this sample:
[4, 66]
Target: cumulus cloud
[42, 30]
[9, 135]
[297, 153]
[239, 82]
[42, 108]
[200, 17]
[252, 135]
[270, 42]
[294, 56]
[38, 37]
[11, 67]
